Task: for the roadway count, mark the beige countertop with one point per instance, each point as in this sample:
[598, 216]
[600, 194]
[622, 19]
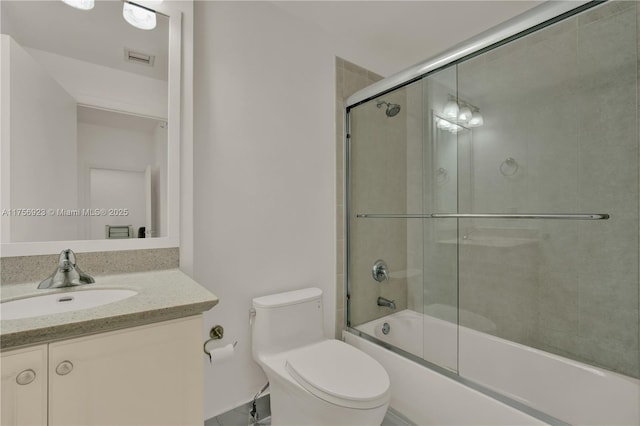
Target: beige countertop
[162, 295]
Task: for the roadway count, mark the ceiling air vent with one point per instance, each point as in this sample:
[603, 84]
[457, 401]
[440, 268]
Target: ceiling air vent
[139, 57]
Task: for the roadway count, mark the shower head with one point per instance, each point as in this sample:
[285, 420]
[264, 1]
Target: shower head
[392, 109]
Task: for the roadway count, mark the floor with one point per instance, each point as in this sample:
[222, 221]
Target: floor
[240, 416]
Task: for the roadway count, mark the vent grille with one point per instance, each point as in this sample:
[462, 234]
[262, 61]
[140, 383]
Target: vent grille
[139, 57]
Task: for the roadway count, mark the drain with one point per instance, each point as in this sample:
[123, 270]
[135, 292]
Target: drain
[386, 328]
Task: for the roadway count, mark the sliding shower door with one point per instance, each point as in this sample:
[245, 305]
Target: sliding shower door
[559, 136]
[385, 172]
[493, 213]
[442, 137]
[394, 178]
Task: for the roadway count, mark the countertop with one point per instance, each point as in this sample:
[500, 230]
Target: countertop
[162, 295]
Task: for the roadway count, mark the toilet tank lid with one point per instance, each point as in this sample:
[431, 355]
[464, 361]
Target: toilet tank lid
[287, 298]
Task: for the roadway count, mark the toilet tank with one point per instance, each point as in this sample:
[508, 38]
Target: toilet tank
[287, 320]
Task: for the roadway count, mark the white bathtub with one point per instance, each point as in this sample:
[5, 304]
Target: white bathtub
[565, 389]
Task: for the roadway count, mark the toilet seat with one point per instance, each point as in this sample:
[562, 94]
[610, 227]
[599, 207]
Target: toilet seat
[340, 374]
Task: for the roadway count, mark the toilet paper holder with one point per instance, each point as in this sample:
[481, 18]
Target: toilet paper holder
[216, 333]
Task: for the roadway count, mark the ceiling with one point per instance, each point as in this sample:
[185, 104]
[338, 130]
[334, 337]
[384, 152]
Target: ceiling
[389, 36]
[99, 35]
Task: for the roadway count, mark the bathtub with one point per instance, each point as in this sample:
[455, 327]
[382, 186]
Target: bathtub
[567, 390]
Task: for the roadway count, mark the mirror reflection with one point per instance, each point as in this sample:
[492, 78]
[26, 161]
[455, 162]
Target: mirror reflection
[84, 123]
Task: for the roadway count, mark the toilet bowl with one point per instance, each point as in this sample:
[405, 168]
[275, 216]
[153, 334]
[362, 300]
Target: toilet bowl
[314, 380]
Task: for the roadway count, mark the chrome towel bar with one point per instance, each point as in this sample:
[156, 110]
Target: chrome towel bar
[588, 216]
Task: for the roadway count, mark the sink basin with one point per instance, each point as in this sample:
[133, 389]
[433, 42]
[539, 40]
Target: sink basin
[56, 303]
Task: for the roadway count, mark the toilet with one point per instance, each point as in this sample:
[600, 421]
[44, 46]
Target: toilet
[314, 380]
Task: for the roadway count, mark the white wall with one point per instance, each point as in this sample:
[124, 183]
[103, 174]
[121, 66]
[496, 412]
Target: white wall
[264, 156]
[42, 139]
[118, 142]
[122, 188]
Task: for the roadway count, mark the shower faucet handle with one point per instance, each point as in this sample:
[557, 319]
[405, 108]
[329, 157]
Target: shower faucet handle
[380, 271]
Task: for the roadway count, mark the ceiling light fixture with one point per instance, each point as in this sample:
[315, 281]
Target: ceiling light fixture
[465, 113]
[138, 16]
[460, 113]
[80, 4]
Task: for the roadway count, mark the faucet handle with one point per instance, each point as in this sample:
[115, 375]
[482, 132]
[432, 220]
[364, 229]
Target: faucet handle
[70, 255]
[380, 271]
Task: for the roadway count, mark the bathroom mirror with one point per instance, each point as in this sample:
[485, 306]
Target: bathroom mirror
[90, 134]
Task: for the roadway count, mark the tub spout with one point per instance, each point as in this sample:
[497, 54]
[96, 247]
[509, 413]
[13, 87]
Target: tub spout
[386, 302]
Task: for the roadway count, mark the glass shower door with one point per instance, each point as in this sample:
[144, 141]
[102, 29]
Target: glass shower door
[400, 170]
[494, 223]
[443, 134]
[560, 136]
[384, 179]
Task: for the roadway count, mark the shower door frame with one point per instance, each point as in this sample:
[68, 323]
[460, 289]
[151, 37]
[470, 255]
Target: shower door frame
[537, 18]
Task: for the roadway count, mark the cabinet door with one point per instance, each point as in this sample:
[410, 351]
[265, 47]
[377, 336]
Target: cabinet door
[149, 375]
[24, 387]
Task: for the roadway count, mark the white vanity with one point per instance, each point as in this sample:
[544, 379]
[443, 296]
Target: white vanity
[137, 361]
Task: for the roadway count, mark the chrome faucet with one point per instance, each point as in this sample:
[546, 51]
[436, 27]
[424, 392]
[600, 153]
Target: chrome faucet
[386, 302]
[380, 271]
[67, 274]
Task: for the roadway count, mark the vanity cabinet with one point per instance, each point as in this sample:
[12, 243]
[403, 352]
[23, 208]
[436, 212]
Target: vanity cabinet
[147, 375]
[24, 387]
